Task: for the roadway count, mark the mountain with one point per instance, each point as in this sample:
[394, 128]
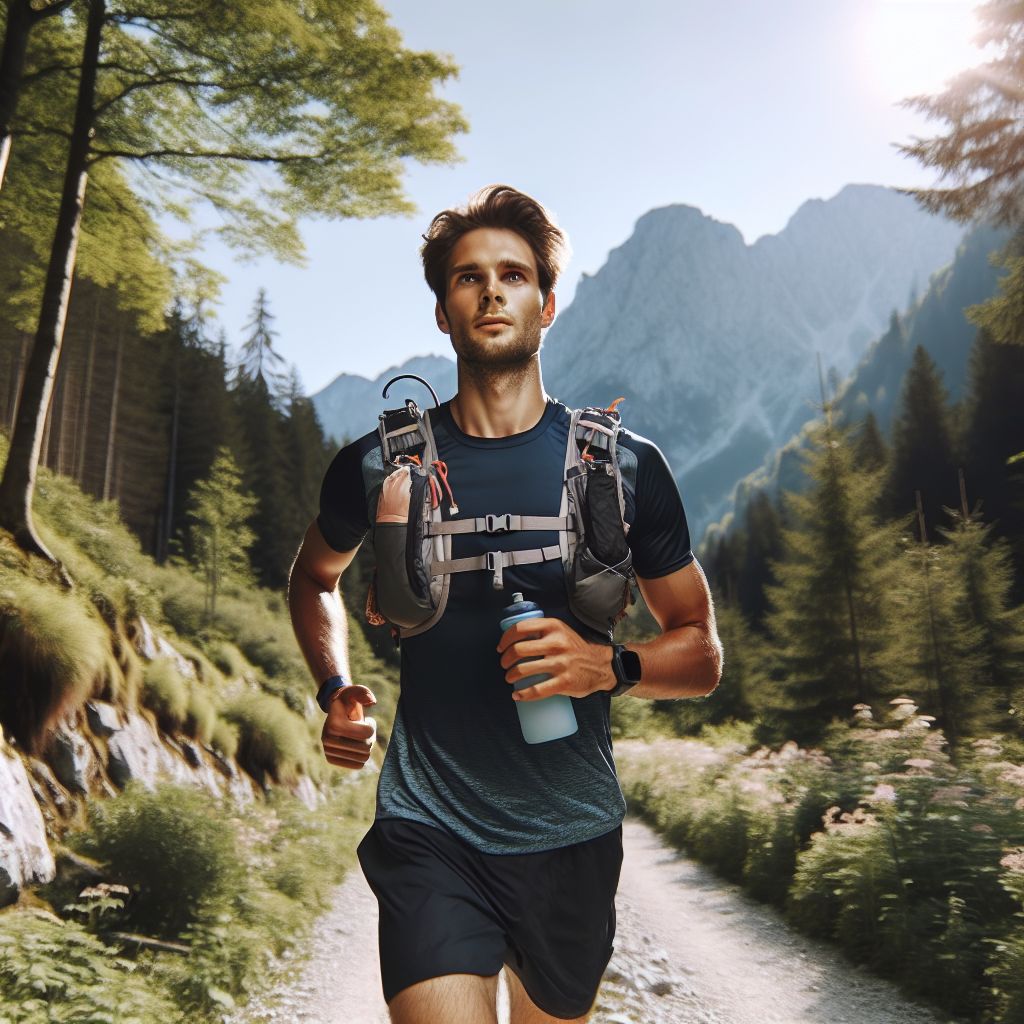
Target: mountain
[719, 336]
[936, 322]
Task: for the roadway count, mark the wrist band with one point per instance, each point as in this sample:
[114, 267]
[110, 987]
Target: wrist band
[327, 689]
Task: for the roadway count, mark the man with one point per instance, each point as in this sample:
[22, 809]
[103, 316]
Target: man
[487, 851]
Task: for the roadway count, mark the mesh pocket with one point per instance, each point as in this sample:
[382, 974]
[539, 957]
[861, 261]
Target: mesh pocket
[598, 593]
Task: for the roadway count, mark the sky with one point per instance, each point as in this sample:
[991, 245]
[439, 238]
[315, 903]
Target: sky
[742, 108]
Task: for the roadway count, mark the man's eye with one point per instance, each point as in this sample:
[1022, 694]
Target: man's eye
[515, 273]
[467, 277]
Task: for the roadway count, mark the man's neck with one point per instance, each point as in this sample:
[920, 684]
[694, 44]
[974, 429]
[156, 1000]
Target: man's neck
[498, 406]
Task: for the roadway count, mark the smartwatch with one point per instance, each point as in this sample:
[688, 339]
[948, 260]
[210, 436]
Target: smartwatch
[328, 689]
[626, 665]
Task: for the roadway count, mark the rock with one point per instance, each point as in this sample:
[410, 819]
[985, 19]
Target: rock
[104, 719]
[136, 753]
[661, 987]
[192, 753]
[72, 759]
[307, 792]
[52, 792]
[151, 645]
[25, 856]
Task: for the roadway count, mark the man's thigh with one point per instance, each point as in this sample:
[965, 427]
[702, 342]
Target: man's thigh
[451, 998]
[525, 1011]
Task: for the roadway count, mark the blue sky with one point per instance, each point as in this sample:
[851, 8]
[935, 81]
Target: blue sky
[743, 108]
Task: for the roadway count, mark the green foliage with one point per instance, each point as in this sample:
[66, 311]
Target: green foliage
[169, 846]
[55, 972]
[165, 693]
[833, 634]
[219, 535]
[224, 737]
[201, 715]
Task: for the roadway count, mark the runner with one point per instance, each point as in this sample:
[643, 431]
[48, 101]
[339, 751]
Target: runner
[489, 849]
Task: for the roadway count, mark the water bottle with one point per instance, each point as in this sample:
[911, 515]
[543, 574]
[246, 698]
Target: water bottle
[541, 720]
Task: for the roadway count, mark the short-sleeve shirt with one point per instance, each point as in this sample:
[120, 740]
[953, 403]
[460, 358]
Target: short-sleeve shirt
[457, 758]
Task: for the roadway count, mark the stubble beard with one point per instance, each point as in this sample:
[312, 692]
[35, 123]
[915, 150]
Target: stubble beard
[504, 362]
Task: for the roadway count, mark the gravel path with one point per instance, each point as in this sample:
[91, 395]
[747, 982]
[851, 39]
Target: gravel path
[689, 949]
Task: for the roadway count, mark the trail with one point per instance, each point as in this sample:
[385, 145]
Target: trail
[690, 948]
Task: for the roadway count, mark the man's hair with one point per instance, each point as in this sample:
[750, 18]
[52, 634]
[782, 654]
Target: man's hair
[496, 206]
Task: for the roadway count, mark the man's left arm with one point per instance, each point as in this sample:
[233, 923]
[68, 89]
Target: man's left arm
[685, 661]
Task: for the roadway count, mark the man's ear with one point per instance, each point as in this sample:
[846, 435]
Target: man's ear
[442, 320]
[547, 315]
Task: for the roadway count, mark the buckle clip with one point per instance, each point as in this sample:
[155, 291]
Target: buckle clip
[497, 524]
[494, 561]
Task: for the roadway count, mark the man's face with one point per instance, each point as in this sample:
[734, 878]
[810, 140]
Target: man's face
[494, 308]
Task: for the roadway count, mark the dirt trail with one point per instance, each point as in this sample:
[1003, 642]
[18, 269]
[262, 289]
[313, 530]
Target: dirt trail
[689, 949]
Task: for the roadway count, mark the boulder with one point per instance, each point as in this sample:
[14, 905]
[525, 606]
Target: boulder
[25, 856]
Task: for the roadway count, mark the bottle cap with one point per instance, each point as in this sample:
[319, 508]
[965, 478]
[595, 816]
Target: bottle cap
[519, 606]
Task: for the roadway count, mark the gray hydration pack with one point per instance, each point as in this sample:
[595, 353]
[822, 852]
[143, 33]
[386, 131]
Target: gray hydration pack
[405, 484]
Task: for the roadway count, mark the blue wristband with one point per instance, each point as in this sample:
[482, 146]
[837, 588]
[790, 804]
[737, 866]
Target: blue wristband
[327, 689]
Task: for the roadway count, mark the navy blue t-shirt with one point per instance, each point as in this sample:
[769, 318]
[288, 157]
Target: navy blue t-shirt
[457, 759]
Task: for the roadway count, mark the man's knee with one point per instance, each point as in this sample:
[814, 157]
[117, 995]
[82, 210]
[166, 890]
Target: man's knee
[453, 998]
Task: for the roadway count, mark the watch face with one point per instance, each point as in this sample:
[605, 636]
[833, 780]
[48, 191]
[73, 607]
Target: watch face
[631, 665]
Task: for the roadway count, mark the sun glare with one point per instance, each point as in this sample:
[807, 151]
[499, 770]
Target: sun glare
[916, 46]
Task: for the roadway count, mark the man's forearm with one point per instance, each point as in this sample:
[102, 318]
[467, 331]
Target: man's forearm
[681, 662]
[321, 626]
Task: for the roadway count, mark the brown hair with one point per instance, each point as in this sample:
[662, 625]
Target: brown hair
[496, 206]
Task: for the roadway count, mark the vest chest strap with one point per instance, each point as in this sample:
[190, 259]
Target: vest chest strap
[497, 560]
[500, 524]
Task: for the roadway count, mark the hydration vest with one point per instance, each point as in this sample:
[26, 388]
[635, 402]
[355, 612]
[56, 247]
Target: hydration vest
[405, 484]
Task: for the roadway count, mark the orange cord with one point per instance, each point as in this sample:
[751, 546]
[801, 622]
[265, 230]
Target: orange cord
[442, 472]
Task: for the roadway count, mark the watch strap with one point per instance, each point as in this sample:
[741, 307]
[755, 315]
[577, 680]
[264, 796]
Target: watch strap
[328, 689]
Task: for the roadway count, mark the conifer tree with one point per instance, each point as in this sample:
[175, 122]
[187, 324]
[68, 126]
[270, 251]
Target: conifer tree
[870, 452]
[831, 627]
[980, 576]
[922, 445]
[258, 358]
[220, 535]
[994, 430]
[762, 542]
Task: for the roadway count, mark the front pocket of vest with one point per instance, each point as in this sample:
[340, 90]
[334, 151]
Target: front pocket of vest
[598, 592]
[403, 551]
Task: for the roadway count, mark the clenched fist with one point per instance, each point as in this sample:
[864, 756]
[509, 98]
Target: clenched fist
[347, 736]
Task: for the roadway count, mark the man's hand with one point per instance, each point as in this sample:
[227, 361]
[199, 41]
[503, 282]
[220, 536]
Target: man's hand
[347, 736]
[576, 666]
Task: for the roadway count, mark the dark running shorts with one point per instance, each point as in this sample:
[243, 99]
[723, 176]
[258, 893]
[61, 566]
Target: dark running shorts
[446, 908]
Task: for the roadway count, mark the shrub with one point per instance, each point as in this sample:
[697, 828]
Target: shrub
[53, 970]
[200, 714]
[53, 652]
[169, 846]
[165, 693]
[272, 739]
[224, 737]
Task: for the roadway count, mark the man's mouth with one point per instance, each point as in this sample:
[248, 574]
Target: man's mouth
[487, 320]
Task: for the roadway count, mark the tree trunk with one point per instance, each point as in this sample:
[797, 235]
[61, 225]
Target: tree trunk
[82, 434]
[167, 518]
[20, 19]
[12, 66]
[17, 383]
[112, 425]
[18, 482]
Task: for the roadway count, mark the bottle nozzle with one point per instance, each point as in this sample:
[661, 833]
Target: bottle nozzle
[517, 597]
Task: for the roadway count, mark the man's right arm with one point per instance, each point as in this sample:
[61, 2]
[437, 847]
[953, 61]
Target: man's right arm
[321, 629]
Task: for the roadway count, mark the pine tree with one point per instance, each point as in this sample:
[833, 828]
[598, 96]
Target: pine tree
[981, 576]
[762, 542]
[870, 452]
[922, 445]
[830, 623]
[220, 536]
[258, 358]
[994, 430]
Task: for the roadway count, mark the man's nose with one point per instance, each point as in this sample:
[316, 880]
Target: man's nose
[491, 290]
